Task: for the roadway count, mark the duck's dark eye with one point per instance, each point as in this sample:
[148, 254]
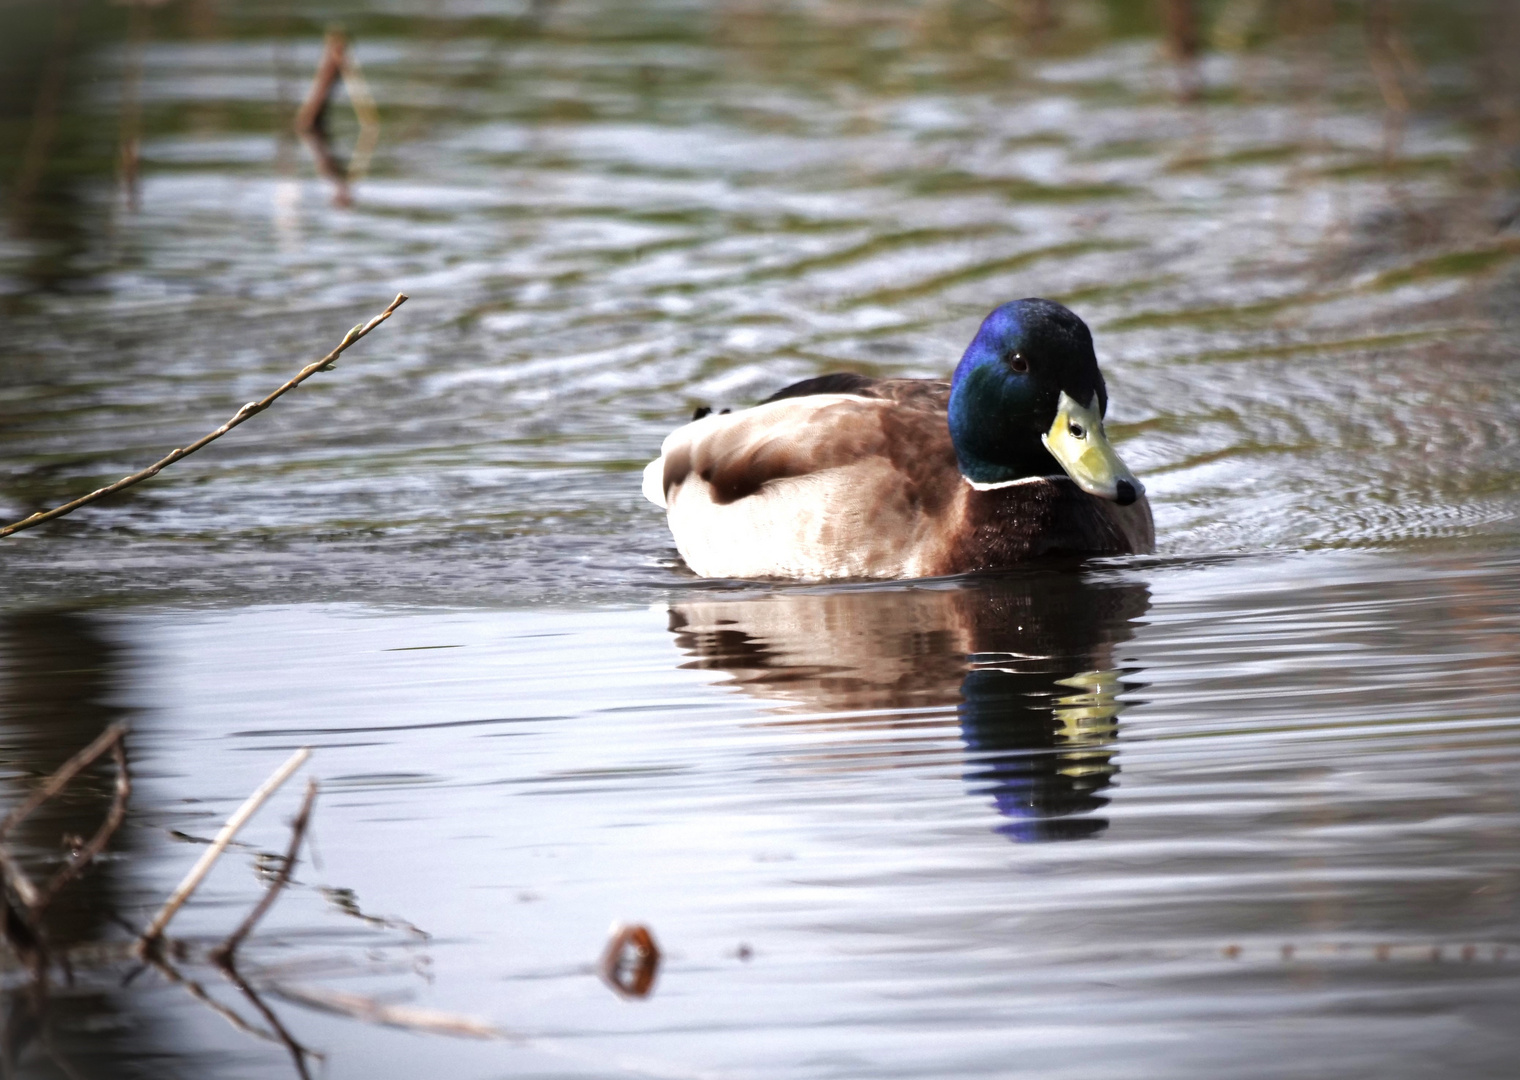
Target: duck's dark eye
[1019, 364]
[1077, 431]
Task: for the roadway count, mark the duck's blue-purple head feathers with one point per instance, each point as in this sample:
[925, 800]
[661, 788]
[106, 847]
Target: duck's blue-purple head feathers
[1032, 362]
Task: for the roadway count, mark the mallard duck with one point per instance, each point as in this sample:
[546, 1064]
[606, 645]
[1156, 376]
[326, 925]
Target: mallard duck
[844, 476]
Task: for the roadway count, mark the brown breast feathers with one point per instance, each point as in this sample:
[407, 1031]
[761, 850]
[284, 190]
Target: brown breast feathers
[1009, 526]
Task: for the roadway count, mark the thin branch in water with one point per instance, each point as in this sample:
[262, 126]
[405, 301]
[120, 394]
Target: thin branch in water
[372, 1011]
[298, 1052]
[1182, 42]
[97, 843]
[20, 884]
[129, 137]
[199, 993]
[338, 64]
[363, 102]
[149, 940]
[22, 934]
[313, 113]
[24, 902]
[347, 902]
[61, 777]
[223, 954]
[50, 96]
[253, 408]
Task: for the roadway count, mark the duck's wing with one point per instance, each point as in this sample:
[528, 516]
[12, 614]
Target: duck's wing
[929, 395]
[809, 483]
[809, 427]
[841, 382]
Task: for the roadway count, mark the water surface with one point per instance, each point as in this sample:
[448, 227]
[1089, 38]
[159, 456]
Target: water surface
[1246, 807]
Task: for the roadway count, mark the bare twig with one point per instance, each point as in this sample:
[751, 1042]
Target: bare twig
[1390, 58]
[251, 409]
[369, 117]
[199, 993]
[50, 95]
[61, 777]
[275, 1033]
[378, 1012]
[338, 64]
[22, 920]
[311, 119]
[332, 170]
[150, 937]
[97, 843]
[16, 878]
[1182, 42]
[313, 113]
[222, 955]
[298, 1053]
[21, 932]
[345, 901]
[129, 138]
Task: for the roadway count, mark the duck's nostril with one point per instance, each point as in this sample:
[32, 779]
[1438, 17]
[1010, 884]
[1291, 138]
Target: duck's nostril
[1126, 492]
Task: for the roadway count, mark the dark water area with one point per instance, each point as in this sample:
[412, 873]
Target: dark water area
[1245, 807]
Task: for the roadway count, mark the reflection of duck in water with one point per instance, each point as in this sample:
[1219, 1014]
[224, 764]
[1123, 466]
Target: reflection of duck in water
[844, 476]
[1026, 661]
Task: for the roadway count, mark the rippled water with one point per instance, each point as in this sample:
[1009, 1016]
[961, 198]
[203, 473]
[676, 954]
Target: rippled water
[1243, 808]
[1291, 782]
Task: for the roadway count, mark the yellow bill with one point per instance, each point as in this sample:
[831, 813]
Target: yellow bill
[1078, 442]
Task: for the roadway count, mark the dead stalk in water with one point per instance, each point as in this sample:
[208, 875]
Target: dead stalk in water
[97, 843]
[276, 1033]
[199, 993]
[1182, 42]
[298, 1052]
[338, 65]
[313, 112]
[34, 898]
[253, 408]
[155, 931]
[223, 954]
[371, 1011]
[61, 777]
[23, 919]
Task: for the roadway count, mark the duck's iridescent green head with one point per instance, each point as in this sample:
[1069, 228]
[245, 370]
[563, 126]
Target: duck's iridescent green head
[1028, 400]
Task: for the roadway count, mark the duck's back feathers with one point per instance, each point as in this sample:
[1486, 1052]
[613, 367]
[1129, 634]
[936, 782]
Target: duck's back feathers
[841, 382]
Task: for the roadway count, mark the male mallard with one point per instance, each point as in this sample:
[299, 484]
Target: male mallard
[843, 476]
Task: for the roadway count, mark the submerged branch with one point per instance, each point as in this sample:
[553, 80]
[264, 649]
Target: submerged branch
[61, 777]
[312, 115]
[199, 993]
[148, 942]
[222, 955]
[251, 409]
[298, 1051]
[371, 1011]
[97, 843]
[22, 919]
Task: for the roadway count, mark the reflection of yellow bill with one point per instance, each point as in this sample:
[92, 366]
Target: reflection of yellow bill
[1089, 723]
[1078, 442]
